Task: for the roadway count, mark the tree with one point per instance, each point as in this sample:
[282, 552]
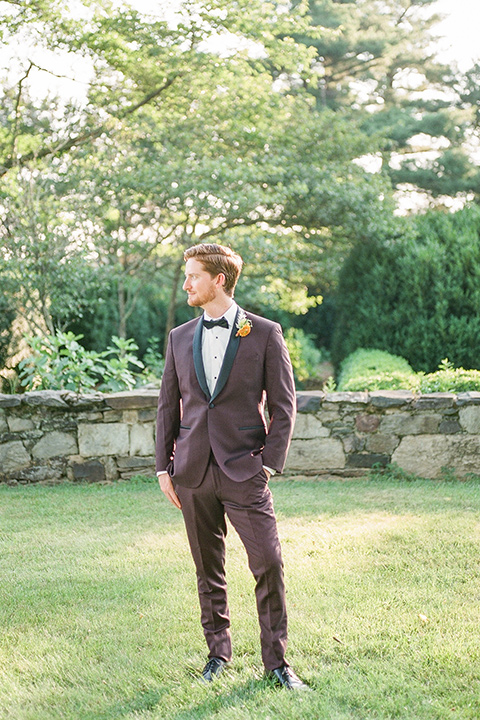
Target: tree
[273, 177]
[137, 61]
[176, 145]
[379, 62]
[45, 270]
[416, 295]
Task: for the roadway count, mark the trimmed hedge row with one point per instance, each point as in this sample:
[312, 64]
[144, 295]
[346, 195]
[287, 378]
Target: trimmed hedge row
[378, 370]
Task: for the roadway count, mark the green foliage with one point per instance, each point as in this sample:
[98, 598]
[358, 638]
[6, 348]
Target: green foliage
[375, 370]
[174, 143]
[378, 370]
[416, 295]
[153, 361]
[379, 60]
[305, 356]
[381, 381]
[7, 316]
[140, 62]
[368, 362]
[450, 379]
[59, 362]
[47, 277]
[392, 471]
[117, 362]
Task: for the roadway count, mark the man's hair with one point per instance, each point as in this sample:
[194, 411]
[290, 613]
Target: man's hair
[218, 259]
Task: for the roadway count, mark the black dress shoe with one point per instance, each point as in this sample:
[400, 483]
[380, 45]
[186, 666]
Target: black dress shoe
[285, 677]
[213, 667]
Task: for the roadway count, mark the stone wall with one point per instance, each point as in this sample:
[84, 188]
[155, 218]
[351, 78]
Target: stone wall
[53, 436]
[346, 433]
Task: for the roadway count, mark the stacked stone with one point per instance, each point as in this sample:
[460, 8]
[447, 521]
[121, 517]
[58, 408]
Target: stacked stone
[53, 436]
[49, 436]
[346, 433]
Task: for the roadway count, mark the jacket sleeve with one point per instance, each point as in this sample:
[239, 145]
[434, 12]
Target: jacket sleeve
[281, 400]
[168, 414]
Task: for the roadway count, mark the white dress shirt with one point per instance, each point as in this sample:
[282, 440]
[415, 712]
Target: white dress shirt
[214, 345]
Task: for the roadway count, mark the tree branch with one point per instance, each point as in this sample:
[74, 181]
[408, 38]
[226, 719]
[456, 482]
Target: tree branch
[227, 224]
[17, 114]
[86, 136]
[62, 77]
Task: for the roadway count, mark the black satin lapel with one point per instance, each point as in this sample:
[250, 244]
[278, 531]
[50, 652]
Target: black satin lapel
[198, 359]
[227, 364]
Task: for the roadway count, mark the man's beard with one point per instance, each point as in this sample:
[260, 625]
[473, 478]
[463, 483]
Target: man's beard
[199, 300]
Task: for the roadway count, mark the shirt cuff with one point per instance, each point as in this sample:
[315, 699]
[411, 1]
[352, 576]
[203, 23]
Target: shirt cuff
[270, 470]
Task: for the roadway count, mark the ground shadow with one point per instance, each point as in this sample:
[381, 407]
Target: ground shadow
[236, 697]
[144, 701]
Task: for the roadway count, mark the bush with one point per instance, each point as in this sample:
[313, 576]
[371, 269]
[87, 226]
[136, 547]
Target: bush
[154, 362]
[417, 296]
[382, 381]
[450, 379]
[375, 370]
[378, 370]
[7, 316]
[305, 356]
[59, 362]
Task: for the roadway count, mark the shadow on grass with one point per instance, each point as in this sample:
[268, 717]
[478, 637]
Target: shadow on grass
[150, 700]
[213, 703]
[143, 701]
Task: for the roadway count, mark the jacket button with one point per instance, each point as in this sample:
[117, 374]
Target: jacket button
[211, 405]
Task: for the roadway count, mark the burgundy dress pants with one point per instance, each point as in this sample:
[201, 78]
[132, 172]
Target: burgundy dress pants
[249, 507]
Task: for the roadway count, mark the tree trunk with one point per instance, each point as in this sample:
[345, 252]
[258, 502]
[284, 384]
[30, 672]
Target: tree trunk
[173, 303]
[122, 318]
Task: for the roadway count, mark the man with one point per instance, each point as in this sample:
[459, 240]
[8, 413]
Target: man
[215, 453]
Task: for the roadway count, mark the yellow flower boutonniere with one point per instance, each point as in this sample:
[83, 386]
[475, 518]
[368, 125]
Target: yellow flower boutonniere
[244, 326]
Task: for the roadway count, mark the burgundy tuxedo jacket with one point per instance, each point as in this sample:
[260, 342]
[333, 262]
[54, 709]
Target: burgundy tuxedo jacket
[230, 422]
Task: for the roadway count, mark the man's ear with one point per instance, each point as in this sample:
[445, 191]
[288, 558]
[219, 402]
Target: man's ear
[220, 280]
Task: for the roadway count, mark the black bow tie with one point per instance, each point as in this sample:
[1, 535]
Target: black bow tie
[209, 324]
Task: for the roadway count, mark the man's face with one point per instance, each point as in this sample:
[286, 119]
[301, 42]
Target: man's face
[199, 285]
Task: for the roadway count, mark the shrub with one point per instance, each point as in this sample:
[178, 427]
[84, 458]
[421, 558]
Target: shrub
[117, 364]
[417, 295]
[450, 379]
[367, 369]
[382, 381]
[378, 370]
[154, 362]
[59, 362]
[7, 316]
[305, 356]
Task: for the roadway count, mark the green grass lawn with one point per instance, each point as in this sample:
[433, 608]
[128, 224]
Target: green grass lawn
[99, 615]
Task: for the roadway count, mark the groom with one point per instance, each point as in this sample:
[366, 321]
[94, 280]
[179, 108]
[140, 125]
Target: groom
[216, 452]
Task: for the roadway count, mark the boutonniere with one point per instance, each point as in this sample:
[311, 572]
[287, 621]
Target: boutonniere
[244, 326]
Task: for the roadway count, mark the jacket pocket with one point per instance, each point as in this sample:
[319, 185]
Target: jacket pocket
[252, 427]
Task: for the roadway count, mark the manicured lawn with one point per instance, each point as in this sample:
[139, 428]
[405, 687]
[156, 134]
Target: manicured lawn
[99, 614]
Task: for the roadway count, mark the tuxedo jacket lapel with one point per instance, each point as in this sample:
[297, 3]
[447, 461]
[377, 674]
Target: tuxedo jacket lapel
[198, 359]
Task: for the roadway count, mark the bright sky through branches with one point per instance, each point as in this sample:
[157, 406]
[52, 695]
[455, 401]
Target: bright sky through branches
[459, 44]
[460, 30]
